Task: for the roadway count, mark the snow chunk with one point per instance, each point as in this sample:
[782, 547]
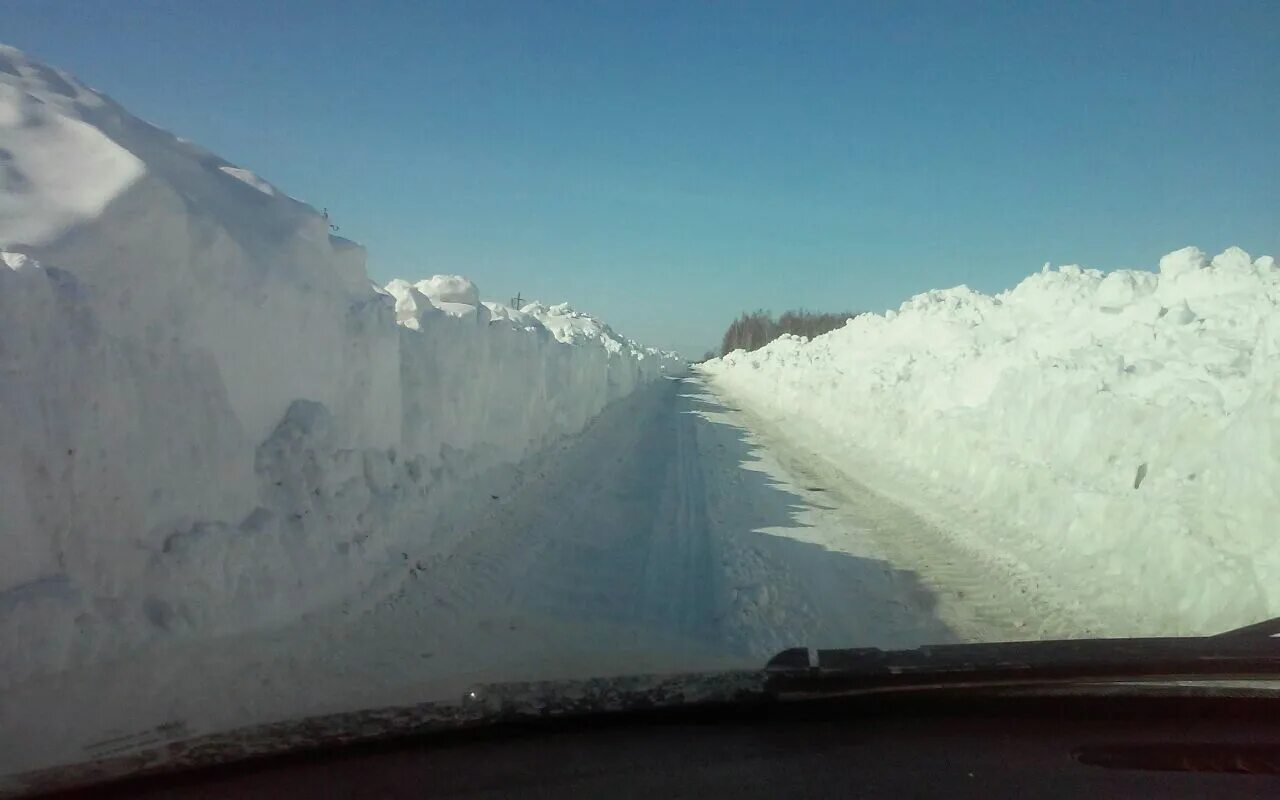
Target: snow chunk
[1122, 288]
[456, 296]
[411, 305]
[1180, 314]
[517, 318]
[1182, 262]
[1233, 258]
[450, 289]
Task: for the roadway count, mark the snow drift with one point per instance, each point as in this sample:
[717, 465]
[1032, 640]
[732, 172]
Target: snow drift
[210, 420]
[1121, 431]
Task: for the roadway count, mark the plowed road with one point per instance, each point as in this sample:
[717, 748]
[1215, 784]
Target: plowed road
[675, 533]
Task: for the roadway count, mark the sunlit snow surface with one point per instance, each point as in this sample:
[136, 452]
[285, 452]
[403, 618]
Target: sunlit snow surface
[1119, 431]
[56, 168]
[211, 421]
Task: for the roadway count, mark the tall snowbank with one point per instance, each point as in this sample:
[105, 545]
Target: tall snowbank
[209, 420]
[1125, 426]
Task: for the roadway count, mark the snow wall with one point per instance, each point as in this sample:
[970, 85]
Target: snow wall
[1121, 430]
[210, 421]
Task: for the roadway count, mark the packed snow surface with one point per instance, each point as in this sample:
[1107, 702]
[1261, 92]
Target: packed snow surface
[673, 534]
[1119, 432]
[211, 421]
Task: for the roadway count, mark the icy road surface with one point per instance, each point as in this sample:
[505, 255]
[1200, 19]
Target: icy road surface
[672, 535]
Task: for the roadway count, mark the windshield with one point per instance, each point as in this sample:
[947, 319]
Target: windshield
[352, 357]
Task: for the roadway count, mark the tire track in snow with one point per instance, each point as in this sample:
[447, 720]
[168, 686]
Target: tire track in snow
[981, 596]
[793, 572]
[679, 578]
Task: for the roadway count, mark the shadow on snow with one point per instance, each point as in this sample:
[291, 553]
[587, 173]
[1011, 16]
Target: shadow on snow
[641, 529]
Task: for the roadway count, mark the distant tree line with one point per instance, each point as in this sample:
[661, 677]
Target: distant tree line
[755, 330]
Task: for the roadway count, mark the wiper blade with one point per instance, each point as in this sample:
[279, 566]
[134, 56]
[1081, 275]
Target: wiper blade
[1234, 657]
[1258, 630]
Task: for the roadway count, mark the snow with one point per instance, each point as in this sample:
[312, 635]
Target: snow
[1118, 433]
[249, 178]
[239, 482]
[456, 296]
[212, 422]
[669, 536]
[450, 289]
[411, 305]
[56, 169]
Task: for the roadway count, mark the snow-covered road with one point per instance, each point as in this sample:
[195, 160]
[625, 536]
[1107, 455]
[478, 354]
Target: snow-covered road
[671, 521]
[675, 533]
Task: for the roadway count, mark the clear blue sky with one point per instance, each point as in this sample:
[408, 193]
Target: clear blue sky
[667, 165]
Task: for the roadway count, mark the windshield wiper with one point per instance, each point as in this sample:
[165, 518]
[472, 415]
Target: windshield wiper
[1247, 653]
[1258, 630]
